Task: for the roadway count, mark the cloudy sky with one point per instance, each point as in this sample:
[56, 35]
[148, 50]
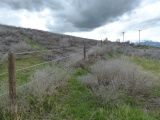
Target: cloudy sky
[96, 19]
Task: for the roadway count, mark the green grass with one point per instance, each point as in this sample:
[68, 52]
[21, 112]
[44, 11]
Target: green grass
[22, 61]
[146, 47]
[77, 102]
[31, 42]
[81, 104]
[151, 66]
[148, 64]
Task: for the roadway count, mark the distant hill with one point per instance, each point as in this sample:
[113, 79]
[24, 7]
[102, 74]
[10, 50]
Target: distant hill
[150, 43]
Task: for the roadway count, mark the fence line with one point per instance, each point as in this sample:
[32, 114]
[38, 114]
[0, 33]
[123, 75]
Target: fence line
[31, 52]
[41, 51]
[22, 86]
[29, 83]
[12, 76]
[21, 53]
[40, 64]
[32, 67]
[36, 64]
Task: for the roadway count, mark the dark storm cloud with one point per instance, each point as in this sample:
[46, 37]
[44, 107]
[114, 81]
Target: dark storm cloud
[31, 5]
[77, 15]
[145, 24]
[152, 22]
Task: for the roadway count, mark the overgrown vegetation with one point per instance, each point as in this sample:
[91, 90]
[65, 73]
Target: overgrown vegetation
[104, 86]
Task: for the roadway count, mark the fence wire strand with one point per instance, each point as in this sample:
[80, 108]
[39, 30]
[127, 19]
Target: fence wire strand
[40, 64]
[28, 68]
[32, 52]
[43, 50]
[35, 66]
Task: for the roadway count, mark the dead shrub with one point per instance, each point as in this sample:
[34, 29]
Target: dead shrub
[118, 76]
[124, 75]
[89, 80]
[74, 60]
[97, 51]
[45, 82]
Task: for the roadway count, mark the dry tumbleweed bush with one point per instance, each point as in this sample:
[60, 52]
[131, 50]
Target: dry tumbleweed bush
[110, 78]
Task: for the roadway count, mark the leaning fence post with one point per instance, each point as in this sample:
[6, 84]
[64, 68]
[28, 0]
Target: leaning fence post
[12, 83]
[84, 52]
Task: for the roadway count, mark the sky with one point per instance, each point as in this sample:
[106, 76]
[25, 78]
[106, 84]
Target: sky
[95, 19]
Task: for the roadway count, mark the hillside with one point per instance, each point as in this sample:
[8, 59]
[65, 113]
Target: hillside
[55, 80]
[150, 43]
[13, 37]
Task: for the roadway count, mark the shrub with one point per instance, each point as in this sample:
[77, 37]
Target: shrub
[21, 47]
[119, 76]
[34, 95]
[75, 60]
[97, 51]
[45, 82]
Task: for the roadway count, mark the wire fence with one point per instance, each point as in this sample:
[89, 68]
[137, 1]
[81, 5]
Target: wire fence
[18, 70]
[40, 64]
[35, 65]
[12, 73]
[37, 51]
[30, 52]
[6, 93]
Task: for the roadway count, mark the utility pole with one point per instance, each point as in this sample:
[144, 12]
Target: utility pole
[123, 35]
[139, 35]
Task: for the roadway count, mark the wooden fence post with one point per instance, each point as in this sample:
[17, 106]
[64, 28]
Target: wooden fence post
[12, 83]
[84, 52]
